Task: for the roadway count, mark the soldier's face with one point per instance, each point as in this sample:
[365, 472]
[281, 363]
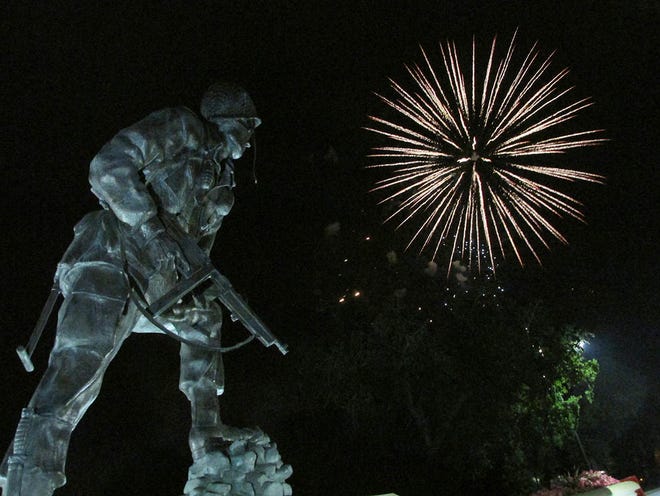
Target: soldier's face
[237, 133]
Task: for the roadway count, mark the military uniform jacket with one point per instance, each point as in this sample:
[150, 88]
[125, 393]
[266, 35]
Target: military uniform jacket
[166, 163]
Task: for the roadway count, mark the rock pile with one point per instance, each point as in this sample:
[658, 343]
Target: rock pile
[247, 467]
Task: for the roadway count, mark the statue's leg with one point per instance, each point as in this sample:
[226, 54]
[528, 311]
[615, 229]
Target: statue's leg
[202, 380]
[226, 460]
[91, 327]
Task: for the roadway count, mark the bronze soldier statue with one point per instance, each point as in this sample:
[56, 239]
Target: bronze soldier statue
[162, 182]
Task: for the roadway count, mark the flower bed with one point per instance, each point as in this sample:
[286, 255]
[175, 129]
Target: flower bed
[591, 483]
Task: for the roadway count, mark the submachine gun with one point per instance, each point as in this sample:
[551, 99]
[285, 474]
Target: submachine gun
[202, 270]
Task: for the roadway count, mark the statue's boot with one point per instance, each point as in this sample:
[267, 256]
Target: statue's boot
[35, 465]
[209, 439]
[36, 482]
[208, 434]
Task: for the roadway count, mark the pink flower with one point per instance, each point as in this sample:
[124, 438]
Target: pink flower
[585, 481]
[595, 478]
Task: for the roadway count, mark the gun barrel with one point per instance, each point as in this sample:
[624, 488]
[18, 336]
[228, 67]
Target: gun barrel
[241, 311]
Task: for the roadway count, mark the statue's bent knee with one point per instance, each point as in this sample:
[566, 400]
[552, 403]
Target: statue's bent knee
[101, 279]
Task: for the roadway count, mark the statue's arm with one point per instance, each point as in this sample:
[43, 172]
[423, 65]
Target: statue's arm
[115, 172]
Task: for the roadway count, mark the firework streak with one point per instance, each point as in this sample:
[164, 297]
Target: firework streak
[464, 161]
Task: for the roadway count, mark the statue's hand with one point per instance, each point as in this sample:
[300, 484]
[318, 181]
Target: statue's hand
[218, 202]
[202, 316]
[158, 246]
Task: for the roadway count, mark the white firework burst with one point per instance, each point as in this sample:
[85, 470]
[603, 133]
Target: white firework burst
[466, 160]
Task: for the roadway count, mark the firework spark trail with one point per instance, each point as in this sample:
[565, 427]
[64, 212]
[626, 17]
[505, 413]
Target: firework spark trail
[463, 160]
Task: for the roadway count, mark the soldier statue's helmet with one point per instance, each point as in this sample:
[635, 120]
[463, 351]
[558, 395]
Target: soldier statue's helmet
[228, 101]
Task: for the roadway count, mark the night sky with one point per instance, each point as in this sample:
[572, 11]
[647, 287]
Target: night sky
[75, 75]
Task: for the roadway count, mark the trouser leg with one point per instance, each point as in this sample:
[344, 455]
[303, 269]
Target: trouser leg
[91, 327]
[202, 380]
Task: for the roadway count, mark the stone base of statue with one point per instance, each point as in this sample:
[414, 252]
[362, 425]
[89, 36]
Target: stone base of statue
[248, 466]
